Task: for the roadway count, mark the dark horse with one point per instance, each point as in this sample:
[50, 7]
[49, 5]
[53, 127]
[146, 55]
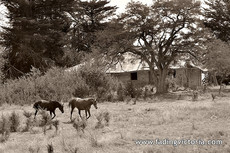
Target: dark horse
[82, 104]
[48, 106]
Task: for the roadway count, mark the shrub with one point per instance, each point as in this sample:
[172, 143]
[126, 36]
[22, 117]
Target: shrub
[34, 150]
[102, 119]
[99, 121]
[4, 128]
[130, 90]
[69, 147]
[80, 125]
[29, 121]
[50, 148]
[46, 119]
[94, 141]
[56, 125]
[120, 93]
[14, 122]
[57, 84]
[106, 117]
[99, 83]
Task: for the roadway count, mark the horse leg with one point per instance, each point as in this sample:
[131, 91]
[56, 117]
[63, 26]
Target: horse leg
[35, 113]
[86, 113]
[71, 114]
[54, 114]
[79, 112]
[89, 113]
[51, 114]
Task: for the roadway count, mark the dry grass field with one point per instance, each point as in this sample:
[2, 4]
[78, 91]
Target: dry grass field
[149, 119]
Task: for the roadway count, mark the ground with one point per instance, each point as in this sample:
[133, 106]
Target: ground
[148, 119]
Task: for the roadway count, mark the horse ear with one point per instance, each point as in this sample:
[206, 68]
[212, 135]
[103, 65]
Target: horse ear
[62, 103]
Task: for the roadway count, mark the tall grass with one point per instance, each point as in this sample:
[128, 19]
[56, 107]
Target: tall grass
[4, 129]
[57, 84]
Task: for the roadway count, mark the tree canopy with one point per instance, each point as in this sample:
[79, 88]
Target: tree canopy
[217, 18]
[159, 34]
[34, 36]
[88, 18]
[50, 33]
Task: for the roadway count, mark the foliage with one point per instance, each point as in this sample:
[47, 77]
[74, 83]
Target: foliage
[35, 35]
[120, 93]
[130, 90]
[46, 119]
[217, 58]
[158, 35]
[103, 119]
[80, 125]
[57, 84]
[217, 18]
[15, 122]
[56, 124]
[4, 128]
[88, 18]
[29, 121]
[94, 141]
[50, 148]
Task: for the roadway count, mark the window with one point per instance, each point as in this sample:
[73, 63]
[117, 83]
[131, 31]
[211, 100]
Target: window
[133, 76]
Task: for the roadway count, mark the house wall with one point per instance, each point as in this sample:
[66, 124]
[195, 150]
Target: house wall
[125, 77]
[187, 77]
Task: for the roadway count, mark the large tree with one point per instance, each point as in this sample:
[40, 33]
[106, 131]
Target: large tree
[217, 58]
[88, 18]
[35, 34]
[158, 35]
[217, 18]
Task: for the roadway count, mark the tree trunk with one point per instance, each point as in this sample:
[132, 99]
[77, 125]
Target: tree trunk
[161, 82]
[151, 77]
[213, 78]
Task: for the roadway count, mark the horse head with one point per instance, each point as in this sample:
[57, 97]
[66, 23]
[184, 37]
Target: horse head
[95, 103]
[61, 107]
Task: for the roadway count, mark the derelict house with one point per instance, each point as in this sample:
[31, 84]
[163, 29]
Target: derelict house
[139, 74]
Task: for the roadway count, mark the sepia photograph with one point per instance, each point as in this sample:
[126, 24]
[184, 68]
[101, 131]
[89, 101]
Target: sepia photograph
[114, 76]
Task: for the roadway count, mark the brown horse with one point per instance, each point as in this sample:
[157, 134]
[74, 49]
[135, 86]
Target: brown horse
[48, 106]
[82, 104]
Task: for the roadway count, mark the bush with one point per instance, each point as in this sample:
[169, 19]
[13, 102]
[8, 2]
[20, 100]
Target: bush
[102, 119]
[130, 90]
[4, 128]
[50, 148]
[56, 125]
[120, 93]
[29, 121]
[99, 83]
[58, 84]
[14, 122]
[94, 141]
[80, 125]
